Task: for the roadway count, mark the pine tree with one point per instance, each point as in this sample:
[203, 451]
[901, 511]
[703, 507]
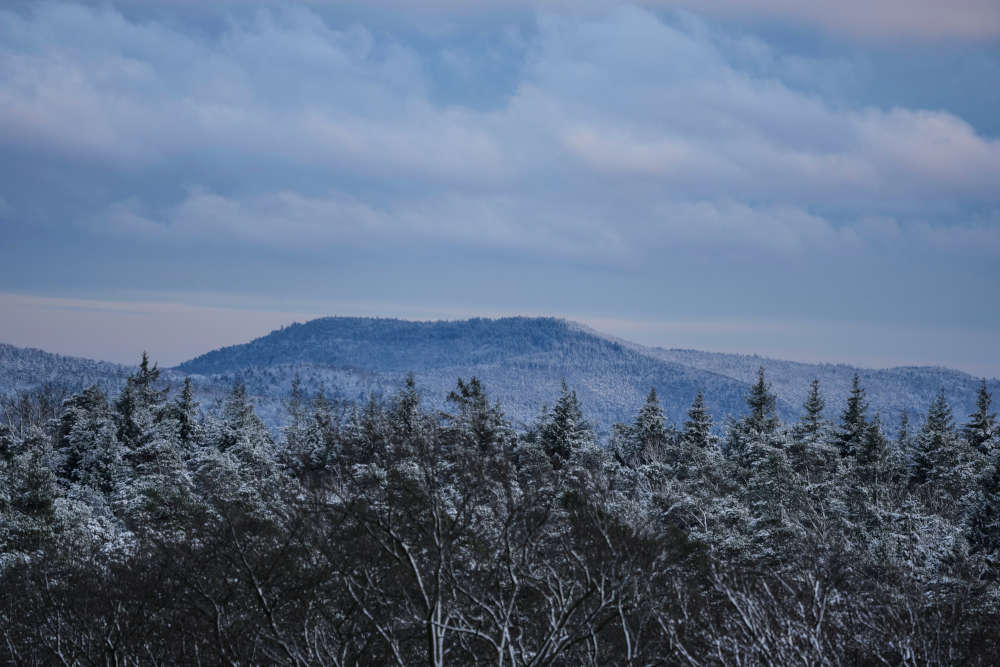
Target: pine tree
[762, 403]
[984, 526]
[934, 443]
[92, 454]
[240, 424]
[853, 421]
[811, 426]
[564, 429]
[698, 427]
[648, 437]
[297, 431]
[873, 453]
[185, 411]
[140, 404]
[903, 435]
[475, 423]
[406, 409]
[83, 408]
[982, 425]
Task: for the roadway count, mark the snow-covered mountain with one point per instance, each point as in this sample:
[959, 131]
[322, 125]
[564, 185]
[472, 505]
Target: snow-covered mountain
[521, 362]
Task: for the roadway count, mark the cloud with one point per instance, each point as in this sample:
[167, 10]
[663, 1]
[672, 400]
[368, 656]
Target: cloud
[866, 19]
[624, 134]
[622, 93]
[923, 19]
[615, 154]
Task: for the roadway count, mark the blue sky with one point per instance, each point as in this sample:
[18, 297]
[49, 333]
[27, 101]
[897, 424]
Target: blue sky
[816, 181]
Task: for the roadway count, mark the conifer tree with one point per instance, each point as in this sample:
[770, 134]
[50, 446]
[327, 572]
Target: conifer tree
[853, 421]
[762, 403]
[984, 526]
[83, 408]
[698, 427]
[648, 437]
[564, 429]
[903, 435]
[186, 413]
[873, 453]
[139, 405]
[240, 425]
[405, 412]
[475, 422]
[934, 444]
[810, 427]
[297, 431]
[92, 454]
[981, 427]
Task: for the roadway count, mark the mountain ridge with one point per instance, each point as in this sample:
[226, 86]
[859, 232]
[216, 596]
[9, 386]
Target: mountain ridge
[520, 360]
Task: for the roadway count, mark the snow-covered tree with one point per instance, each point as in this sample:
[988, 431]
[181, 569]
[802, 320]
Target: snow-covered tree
[935, 444]
[812, 425]
[564, 429]
[853, 426]
[648, 438]
[698, 427]
[981, 429]
[762, 403]
[984, 525]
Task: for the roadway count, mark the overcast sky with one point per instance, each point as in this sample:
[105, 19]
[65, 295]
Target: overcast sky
[815, 181]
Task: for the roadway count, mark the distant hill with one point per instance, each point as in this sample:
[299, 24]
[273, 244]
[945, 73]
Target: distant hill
[889, 391]
[26, 368]
[521, 361]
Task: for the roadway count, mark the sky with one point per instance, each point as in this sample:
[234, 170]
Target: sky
[814, 181]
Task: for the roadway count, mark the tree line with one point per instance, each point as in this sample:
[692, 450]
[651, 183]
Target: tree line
[144, 529]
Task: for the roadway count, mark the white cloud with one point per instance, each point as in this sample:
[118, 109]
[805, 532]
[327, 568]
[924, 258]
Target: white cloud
[619, 92]
[867, 19]
[624, 139]
[925, 19]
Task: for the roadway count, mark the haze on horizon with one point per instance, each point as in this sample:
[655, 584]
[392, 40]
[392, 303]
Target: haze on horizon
[815, 183]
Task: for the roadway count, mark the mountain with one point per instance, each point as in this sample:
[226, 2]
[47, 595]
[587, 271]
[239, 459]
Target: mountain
[889, 391]
[24, 368]
[521, 362]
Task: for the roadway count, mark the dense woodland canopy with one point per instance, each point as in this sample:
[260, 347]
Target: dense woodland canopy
[143, 529]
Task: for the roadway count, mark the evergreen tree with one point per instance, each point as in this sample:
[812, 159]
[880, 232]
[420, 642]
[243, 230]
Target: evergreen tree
[564, 429]
[84, 408]
[853, 421]
[903, 435]
[185, 412]
[934, 445]
[873, 453]
[474, 422]
[406, 409]
[810, 427]
[984, 526]
[139, 405]
[298, 431]
[240, 425]
[762, 403]
[698, 427]
[648, 437]
[981, 427]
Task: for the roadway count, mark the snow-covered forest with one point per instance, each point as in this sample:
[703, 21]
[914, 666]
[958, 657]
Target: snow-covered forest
[522, 360]
[140, 528]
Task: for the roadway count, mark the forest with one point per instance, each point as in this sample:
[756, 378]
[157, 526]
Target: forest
[144, 528]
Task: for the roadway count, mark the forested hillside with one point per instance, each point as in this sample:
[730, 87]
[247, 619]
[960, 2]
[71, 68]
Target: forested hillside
[143, 528]
[26, 368]
[890, 391]
[522, 360]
